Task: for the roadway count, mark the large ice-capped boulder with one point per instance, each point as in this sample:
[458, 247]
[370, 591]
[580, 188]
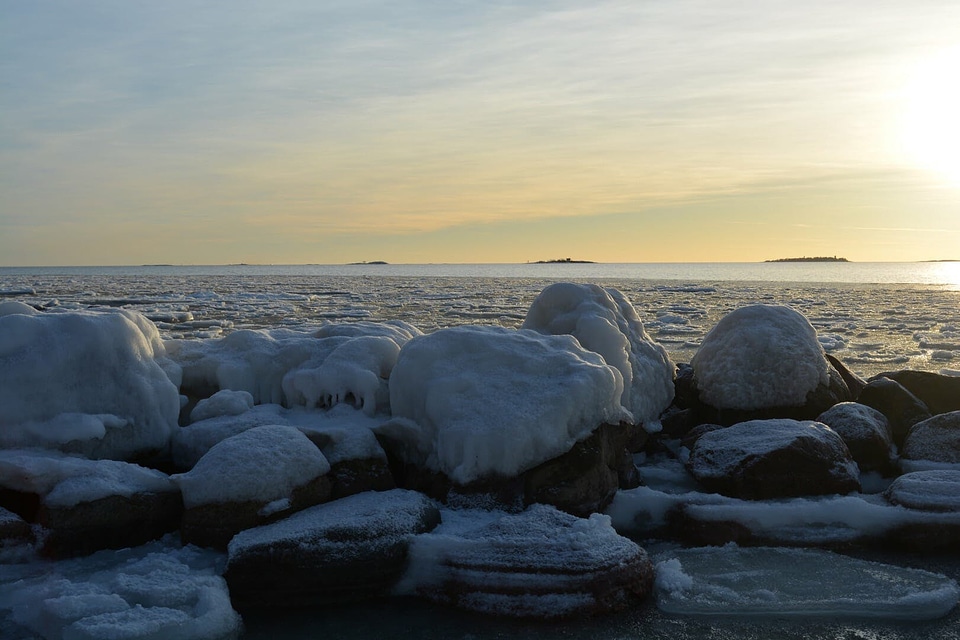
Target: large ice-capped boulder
[476, 402]
[604, 321]
[98, 384]
[248, 480]
[763, 459]
[765, 358]
[541, 563]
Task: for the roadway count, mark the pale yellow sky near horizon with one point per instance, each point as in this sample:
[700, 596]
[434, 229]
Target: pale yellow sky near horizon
[332, 132]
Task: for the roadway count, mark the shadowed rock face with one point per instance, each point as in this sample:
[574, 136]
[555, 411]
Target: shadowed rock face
[765, 459]
[350, 549]
[866, 432]
[902, 408]
[940, 393]
[936, 439]
[541, 563]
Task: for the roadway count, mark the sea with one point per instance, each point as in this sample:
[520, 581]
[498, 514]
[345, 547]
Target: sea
[874, 317]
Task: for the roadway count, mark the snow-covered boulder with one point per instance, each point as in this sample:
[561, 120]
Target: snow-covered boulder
[604, 321]
[84, 382]
[723, 581]
[935, 439]
[765, 358]
[349, 549]
[935, 490]
[85, 505]
[476, 402]
[763, 459]
[541, 563]
[155, 592]
[866, 433]
[900, 406]
[222, 403]
[250, 479]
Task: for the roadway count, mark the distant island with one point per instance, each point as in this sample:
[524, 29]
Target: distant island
[813, 259]
[372, 262]
[563, 261]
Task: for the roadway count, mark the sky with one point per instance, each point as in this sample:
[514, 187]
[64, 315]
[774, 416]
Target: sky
[450, 131]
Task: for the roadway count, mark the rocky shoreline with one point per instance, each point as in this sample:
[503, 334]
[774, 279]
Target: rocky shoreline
[510, 473]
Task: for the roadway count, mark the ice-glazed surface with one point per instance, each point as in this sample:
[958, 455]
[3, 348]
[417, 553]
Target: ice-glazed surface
[603, 320]
[93, 383]
[760, 356]
[935, 490]
[156, 592]
[260, 464]
[66, 481]
[777, 582]
[223, 403]
[486, 401]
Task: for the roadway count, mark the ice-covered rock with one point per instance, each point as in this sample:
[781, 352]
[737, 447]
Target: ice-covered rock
[791, 582]
[250, 479]
[760, 357]
[349, 549]
[935, 439]
[476, 402]
[357, 461]
[902, 408]
[84, 382]
[11, 307]
[85, 505]
[155, 592]
[866, 433]
[604, 321]
[541, 563]
[935, 490]
[222, 403]
[763, 459]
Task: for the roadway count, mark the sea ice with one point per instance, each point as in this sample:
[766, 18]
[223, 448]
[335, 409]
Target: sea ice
[760, 356]
[604, 321]
[481, 401]
[792, 582]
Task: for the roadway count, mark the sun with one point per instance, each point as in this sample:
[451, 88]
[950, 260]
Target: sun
[931, 126]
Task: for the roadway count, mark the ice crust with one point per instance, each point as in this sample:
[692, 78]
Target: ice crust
[760, 356]
[792, 582]
[261, 464]
[156, 592]
[488, 401]
[92, 383]
[604, 321]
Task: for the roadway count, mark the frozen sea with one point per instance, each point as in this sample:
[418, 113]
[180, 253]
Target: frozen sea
[873, 316]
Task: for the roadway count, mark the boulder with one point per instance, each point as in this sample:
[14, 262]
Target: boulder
[936, 494]
[866, 432]
[87, 505]
[541, 563]
[350, 549]
[902, 408]
[764, 459]
[854, 382]
[761, 362]
[357, 461]
[936, 439]
[13, 529]
[250, 479]
[940, 393]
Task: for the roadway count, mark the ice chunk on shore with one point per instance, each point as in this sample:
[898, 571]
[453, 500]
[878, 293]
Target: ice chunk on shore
[90, 383]
[792, 582]
[156, 592]
[481, 401]
[760, 356]
[263, 464]
[604, 321]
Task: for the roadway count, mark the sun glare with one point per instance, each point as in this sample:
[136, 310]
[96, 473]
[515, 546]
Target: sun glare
[932, 118]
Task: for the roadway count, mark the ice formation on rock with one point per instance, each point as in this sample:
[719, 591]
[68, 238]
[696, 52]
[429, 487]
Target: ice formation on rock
[760, 356]
[604, 321]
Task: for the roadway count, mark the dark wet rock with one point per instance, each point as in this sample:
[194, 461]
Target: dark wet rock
[902, 408]
[941, 394]
[541, 563]
[347, 550]
[87, 505]
[765, 459]
[866, 432]
[13, 529]
[936, 439]
[854, 382]
[357, 461]
[581, 481]
[685, 390]
[677, 423]
[694, 434]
